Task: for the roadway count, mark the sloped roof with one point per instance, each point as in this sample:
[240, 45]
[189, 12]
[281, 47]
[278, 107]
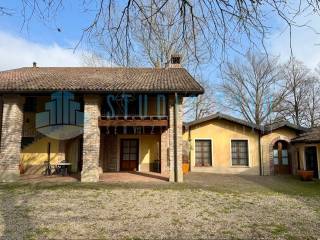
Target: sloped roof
[264, 129]
[311, 136]
[280, 124]
[219, 115]
[99, 79]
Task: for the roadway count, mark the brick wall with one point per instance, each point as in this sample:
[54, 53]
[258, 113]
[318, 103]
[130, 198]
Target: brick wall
[164, 152]
[12, 120]
[91, 139]
[179, 122]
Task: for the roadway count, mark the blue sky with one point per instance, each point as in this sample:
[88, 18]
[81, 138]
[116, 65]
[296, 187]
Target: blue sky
[49, 47]
[71, 20]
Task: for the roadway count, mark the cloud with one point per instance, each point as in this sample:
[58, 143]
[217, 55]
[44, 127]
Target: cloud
[17, 52]
[305, 42]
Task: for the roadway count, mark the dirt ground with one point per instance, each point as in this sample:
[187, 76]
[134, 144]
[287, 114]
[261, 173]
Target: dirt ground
[206, 206]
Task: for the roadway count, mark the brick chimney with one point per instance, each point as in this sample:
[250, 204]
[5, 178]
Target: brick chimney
[175, 61]
[34, 64]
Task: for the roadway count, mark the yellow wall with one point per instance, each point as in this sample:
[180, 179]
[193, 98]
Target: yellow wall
[148, 149]
[33, 156]
[221, 133]
[269, 139]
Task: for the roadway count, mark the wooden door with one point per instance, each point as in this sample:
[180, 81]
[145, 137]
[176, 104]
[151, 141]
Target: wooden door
[281, 160]
[311, 160]
[129, 154]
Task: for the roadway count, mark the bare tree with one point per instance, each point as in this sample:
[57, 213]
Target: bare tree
[220, 24]
[298, 82]
[202, 105]
[92, 59]
[313, 101]
[160, 36]
[252, 87]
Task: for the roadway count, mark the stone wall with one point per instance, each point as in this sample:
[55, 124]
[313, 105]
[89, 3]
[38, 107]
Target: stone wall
[12, 120]
[91, 139]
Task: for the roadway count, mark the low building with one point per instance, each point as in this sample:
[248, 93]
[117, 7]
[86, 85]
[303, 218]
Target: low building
[95, 119]
[224, 144]
[307, 146]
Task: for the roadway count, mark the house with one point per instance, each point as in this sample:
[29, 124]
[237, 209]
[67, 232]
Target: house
[224, 144]
[308, 150]
[97, 119]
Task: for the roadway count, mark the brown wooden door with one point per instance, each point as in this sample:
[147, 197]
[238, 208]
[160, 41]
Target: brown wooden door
[129, 154]
[281, 160]
[311, 160]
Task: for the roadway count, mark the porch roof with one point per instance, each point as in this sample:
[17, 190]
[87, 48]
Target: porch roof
[311, 136]
[103, 79]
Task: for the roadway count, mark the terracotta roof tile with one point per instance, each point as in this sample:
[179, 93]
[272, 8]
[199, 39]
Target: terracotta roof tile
[311, 136]
[99, 79]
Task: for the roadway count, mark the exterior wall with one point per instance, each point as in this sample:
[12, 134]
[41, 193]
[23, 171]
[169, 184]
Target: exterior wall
[221, 132]
[91, 139]
[149, 151]
[12, 119]
[32, 157]
[164, 145]
[109, 153]
[300, 147]
[267, 142]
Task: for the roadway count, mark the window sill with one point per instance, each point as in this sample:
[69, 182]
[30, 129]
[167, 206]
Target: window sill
[202, 166]
[240, 166]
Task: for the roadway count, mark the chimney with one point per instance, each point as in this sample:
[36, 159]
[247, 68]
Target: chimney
[34, 64]
[175, 61]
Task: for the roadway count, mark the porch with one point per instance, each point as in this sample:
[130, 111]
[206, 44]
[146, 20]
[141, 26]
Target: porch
[111, 177]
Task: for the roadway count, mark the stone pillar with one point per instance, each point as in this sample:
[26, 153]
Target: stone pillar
[172, 138]
[164, 147]
[91, 139]
[12, 120]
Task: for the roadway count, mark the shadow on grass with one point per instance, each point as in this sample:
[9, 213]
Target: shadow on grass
[206, 181]
[15, 214]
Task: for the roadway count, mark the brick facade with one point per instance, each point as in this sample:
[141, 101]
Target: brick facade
[164, 152]
[91, 139]
[172, 138]
[12, 120]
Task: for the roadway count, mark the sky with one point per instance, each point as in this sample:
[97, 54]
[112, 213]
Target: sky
[22, 44]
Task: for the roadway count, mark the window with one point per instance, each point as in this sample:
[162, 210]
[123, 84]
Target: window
[275, 157]
[203, 153]
[239, 150]
[285, 160]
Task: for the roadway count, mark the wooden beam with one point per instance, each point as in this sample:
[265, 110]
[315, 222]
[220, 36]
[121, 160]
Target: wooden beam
[132, 123]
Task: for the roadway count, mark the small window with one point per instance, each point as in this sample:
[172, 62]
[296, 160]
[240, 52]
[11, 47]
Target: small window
[285, 160]
[240, 155]
[275, 157]
[203, 153]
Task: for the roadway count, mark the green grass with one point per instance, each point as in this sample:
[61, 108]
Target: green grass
[289, 185]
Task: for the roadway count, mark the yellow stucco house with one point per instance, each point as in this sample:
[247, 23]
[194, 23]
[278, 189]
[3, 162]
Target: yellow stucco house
[224, 144]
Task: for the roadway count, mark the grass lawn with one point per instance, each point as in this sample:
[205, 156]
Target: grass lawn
[205, 206]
